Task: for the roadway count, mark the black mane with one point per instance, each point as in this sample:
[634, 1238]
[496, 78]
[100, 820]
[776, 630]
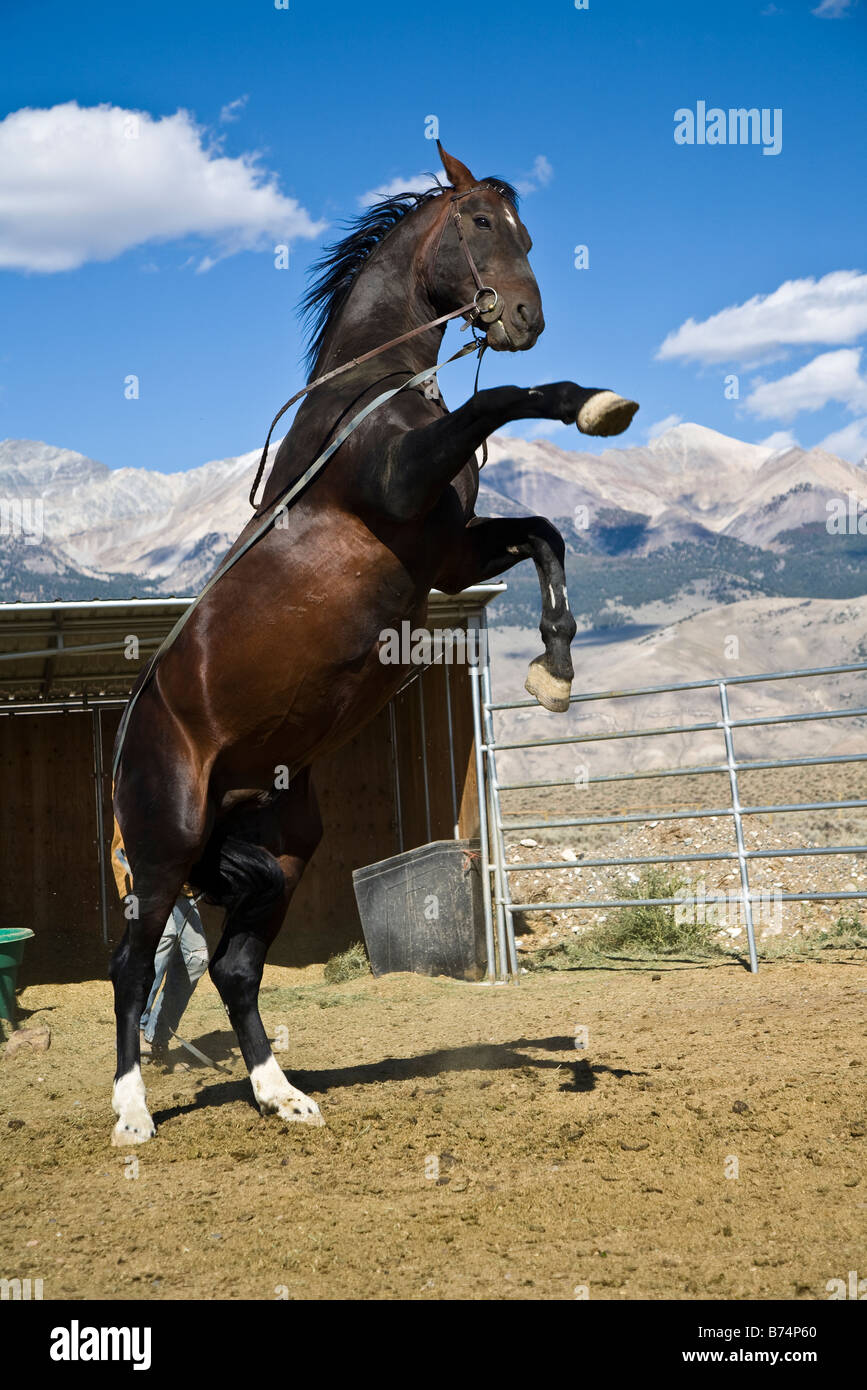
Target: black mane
[336, 270]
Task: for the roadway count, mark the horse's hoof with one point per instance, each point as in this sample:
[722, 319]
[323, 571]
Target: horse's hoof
[300, 1110]
[277, 1096]
[605, 413]
[133, 1131]
[552, 692]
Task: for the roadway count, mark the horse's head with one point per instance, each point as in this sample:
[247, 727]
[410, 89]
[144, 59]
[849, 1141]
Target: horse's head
[480, 239]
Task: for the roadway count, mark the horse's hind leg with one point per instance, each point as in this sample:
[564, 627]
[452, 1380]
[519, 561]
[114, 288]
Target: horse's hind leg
[161, 838]
[132, 973]
[289, 829]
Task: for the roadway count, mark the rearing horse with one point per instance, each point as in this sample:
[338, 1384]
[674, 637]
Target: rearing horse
[279, 662]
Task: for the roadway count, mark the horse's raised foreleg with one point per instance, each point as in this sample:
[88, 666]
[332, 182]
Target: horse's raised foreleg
[422, 462]
[490, 547]
[289, 829]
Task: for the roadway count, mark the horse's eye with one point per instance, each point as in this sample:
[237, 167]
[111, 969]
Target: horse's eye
[482, 222]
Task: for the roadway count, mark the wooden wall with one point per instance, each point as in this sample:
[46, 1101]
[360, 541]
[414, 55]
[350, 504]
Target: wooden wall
[49, 878]
[49, 869]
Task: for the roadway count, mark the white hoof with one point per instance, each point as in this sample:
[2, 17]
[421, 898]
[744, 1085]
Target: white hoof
[605, 413]
[277, 1096]
[552, 692]
[133, 1130]
[134, 1124]
[300, 1110]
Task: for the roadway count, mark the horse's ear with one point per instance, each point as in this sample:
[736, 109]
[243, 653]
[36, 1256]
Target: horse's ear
[459, 175]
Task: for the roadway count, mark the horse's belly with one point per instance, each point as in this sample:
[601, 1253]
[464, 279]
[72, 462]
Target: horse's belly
[323, 693]
[298, 648]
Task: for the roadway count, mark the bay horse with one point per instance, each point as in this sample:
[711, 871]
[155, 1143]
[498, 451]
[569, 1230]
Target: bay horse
[279, 662]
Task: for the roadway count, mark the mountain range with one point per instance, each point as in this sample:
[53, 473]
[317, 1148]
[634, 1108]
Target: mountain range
[694, 513]
[688, 484]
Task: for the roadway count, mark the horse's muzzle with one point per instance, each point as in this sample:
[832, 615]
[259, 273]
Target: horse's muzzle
[514, 327]
[505, 338]
[498, 338]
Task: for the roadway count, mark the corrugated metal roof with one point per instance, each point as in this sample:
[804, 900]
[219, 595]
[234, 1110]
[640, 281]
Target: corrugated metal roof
[70, 653]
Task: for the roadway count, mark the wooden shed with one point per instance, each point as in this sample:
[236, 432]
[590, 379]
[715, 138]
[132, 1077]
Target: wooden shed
[66, 669]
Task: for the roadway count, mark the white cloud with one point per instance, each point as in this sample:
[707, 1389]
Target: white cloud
[832, 309]
[834, 9]
[540, 176]
[668, 422]
[832, 376]
[417, 184]
[232, 110]
[778, 441]
[87, 183]
[850, 442]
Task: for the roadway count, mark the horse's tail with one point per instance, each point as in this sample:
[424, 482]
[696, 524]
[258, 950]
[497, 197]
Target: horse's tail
[238, 874]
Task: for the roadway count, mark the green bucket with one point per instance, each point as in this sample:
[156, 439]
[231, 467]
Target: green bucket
[12, 941]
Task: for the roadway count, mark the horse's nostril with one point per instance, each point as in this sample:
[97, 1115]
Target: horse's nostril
[527, 317]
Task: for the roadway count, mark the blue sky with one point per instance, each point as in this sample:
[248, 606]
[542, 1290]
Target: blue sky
[288, 117]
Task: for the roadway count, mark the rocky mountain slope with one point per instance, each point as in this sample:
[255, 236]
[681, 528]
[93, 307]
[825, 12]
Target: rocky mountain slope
[737, 639]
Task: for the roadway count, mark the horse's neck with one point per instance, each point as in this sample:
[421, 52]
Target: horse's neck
[387, 300]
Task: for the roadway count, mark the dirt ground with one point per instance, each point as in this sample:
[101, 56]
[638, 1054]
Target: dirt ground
[471, 1151]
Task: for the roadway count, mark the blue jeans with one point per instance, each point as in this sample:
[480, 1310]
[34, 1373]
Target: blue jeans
[181, 960]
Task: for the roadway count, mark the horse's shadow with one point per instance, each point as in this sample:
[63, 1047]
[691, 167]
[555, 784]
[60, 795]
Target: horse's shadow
[579, 1075]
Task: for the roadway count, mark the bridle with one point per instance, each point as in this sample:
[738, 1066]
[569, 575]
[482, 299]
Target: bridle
[476, 310]
[495, 309]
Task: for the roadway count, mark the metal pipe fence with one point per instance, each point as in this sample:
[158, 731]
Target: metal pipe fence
[499, 870]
